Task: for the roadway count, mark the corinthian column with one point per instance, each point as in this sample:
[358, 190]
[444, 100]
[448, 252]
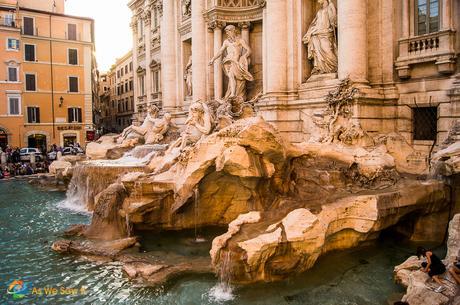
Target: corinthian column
[352, 37]
[168, 56]
[245, 26]
[218, 72]
[198, 50]
[148, 57]
[276, 47]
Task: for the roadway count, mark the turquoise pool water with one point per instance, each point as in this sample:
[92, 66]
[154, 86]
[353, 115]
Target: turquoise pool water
[30, 220]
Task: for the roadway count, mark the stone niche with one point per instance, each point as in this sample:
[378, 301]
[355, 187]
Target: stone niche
[256, 67]
[308, 13]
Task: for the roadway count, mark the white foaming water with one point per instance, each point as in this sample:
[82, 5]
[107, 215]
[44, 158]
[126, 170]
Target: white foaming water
[221, 293]
[73, 206]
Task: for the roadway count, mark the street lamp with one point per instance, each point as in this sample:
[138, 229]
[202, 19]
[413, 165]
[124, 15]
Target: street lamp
[61, 101]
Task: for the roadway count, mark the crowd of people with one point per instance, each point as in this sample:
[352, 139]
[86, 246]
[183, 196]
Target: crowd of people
[12, 165]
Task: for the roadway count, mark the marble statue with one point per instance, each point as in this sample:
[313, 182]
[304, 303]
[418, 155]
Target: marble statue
[140, 131]
[186, 8]
[160, 128]
[235, 64]
[188, 76]
[321, 39]
[199, 123]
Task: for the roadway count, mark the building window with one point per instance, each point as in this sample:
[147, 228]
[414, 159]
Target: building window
[28, 26]
[72, 31]
[73, 84]
[425, 123]
[73, 56]
[427, 18]
[126, 69]
[126, 87]
[74, 115]
[29, 54]
[12, 74]
[156, 81]
[33, 115]
[141, 85]
[130, 85]
[8, 20]
[14, 105]
[31, 84]
[13, 44]
[130, 66]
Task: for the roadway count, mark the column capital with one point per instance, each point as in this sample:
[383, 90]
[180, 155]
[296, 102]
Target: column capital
[215, 24]
[245, 25]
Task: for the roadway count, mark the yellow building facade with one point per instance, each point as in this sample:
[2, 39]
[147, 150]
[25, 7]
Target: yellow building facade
[56, 77]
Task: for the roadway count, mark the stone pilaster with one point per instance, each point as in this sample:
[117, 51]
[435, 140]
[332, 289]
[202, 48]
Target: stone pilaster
[168, 56]
[405, 20]
[198, 50]
[446, 17]
[352, 38]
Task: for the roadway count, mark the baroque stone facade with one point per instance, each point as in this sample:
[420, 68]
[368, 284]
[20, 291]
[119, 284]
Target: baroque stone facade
[401, 56]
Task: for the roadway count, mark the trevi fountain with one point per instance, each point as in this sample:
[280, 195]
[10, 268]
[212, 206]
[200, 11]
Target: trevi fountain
[223, 208]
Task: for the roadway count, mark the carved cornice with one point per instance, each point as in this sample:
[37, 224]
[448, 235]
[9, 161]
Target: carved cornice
[185, 27]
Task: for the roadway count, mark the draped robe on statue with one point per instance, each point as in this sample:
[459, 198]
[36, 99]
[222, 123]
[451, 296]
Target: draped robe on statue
[321, 40]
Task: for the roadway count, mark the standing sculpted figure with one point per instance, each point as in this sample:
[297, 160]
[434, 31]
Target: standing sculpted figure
[188, 76]
[235, 63]
[321, 39]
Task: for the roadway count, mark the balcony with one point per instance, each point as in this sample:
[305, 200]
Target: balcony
[438, 48]
[236, 3]
[235, 10]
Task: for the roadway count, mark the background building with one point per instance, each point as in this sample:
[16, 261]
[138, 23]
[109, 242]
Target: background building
[402, 55]
[56, 76]
[117, 95]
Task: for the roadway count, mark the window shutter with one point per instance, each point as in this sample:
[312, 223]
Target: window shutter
[30, 82]
[12, 75]
[70, 115]
[29, 114]
[28, 26]
[79, 115]
[72, 29]
[30, 52]
[73, 57]
[37, 114]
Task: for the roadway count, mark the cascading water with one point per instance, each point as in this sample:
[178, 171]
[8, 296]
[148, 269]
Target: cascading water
[223, 291]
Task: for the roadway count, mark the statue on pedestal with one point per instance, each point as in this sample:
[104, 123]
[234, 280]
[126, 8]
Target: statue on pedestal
[321, 39]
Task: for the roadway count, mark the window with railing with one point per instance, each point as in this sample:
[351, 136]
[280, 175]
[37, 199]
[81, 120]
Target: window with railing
[8, 20]
[427, 16]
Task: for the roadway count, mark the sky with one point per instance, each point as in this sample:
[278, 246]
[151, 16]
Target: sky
[112, 30]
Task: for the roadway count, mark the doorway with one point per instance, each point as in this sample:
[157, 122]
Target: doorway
[37, 141]
[70, 140]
